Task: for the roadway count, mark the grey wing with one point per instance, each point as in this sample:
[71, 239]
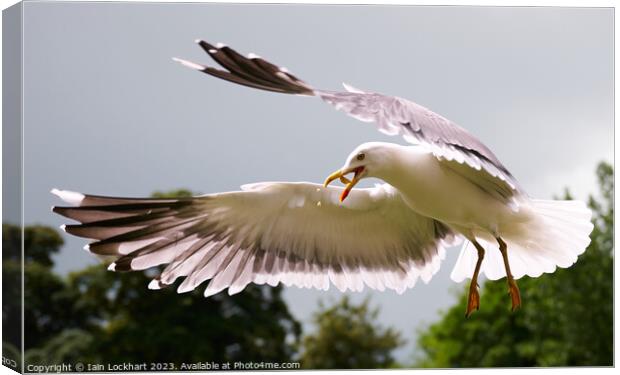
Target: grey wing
[394, 116]
[419, 125]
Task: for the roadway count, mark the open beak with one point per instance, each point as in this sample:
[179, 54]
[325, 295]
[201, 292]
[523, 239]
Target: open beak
[340, 174]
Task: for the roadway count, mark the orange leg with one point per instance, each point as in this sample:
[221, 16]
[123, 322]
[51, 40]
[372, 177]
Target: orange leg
[513, 289]
[473, 298]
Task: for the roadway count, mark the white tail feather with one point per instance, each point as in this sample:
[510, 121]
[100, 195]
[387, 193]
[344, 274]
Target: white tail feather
[556, 236]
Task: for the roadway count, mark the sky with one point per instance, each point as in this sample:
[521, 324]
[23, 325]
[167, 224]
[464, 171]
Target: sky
[106, 110]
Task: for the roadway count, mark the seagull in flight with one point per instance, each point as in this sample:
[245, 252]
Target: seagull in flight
[442, 188]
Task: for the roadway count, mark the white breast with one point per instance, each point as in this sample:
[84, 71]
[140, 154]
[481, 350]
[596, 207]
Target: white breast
[433, 190]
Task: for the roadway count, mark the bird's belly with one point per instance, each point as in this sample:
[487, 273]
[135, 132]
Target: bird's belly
[435, 191]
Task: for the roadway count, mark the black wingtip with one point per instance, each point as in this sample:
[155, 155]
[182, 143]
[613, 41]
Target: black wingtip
[62, 211]
[205, 45]
[123, 264]
[251, 71]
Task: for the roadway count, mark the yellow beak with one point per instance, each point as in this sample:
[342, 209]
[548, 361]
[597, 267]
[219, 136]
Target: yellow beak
[340, 174]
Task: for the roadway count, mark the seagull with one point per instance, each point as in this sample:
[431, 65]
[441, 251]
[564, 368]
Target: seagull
[443, 188]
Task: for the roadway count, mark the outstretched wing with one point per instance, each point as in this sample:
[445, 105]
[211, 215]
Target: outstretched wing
[294, 233]
[393, 116]
[419, 125]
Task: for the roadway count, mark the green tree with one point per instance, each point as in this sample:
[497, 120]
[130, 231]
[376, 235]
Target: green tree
[41, 284]
[178, 193]
[347, 337]
[42, 242]
[163, 326]
[566, 319]
[51, 310]
[11, 291]
[69, 346]
[48, 309]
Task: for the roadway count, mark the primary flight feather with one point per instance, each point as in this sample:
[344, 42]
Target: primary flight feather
[445, 187]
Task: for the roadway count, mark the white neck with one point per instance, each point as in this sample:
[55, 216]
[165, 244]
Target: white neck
[398, 162]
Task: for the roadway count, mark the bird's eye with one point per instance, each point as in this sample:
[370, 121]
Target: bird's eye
[361, 156]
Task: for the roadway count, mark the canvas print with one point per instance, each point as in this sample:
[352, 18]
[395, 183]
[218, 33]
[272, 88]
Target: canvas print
[419, 187]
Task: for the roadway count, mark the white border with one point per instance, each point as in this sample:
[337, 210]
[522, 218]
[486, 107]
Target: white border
[566, 3]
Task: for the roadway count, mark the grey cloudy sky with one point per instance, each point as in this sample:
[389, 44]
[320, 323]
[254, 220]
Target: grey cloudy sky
[107, 111]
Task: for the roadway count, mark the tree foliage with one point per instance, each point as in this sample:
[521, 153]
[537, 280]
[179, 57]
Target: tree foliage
[163, 326]
[42, 242]
[46, 305]
[347, 337]
[566, 318]
[178, 193]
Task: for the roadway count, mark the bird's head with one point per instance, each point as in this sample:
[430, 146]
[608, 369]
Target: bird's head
[367, 160]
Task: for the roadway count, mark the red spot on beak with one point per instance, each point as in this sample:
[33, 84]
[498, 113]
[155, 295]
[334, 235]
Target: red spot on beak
[345, 193]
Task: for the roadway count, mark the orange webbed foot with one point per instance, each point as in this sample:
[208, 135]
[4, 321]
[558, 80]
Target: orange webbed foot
[473, 300]
[515, 295]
